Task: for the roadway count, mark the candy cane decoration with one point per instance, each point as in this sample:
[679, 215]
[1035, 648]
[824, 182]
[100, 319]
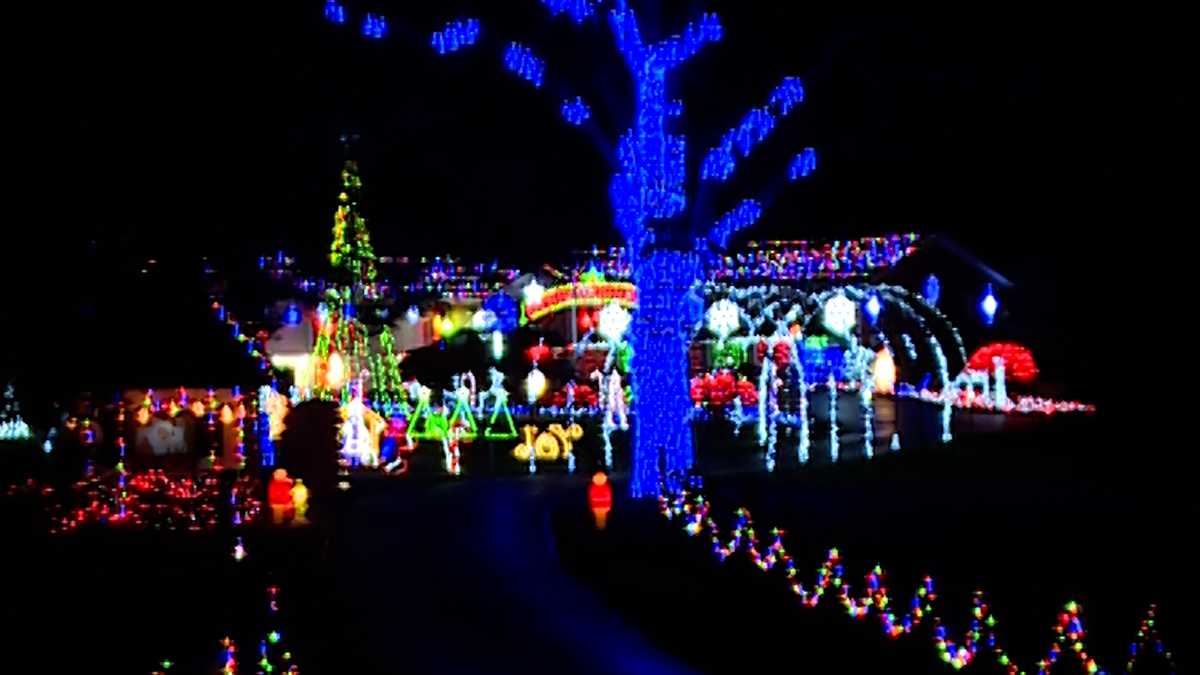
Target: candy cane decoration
[468, 380]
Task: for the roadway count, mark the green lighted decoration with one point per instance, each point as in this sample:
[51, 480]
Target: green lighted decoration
[507, 430]
[462, 415]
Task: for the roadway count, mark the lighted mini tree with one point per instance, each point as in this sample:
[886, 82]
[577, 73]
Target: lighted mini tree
[649, 196]
[387, 389]
[351, 253]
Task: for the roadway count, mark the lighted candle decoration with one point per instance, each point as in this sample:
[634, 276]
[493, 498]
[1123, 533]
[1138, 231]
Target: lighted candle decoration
[884, 372]
[300, 502]
[600, 498]
[875, 603]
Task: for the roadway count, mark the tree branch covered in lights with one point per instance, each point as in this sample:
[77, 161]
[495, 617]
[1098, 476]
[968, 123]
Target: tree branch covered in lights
[756, 125]
[455, 36]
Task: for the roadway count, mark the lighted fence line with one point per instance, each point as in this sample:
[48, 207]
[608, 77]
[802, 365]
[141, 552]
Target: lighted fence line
[875, 601]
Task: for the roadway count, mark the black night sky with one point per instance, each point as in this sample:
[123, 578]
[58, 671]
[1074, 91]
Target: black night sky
[211, 128]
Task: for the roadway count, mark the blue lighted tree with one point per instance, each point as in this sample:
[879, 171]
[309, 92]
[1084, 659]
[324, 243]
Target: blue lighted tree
[649, 197]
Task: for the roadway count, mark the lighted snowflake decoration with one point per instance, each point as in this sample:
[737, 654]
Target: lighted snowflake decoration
[613, 322]
[723, 318]
[839, 314]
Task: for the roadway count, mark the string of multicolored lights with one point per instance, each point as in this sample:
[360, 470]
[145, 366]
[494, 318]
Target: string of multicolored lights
[273, 656]
[255, 345]
[692, 509]
[145, 500]
[797, 260]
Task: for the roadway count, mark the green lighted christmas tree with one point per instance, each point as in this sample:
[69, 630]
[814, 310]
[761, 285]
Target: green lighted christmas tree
[341, 353]
[351, 253]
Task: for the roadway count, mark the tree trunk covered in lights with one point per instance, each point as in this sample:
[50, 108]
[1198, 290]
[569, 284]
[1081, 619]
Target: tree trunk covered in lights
[667, 309]
[648, 188]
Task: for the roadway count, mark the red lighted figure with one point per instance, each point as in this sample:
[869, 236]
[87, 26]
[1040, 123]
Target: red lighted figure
[279, 495]
[600, 498]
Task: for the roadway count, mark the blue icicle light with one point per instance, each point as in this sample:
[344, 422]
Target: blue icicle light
[455, 36]
[521, 61]
[576, 111]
